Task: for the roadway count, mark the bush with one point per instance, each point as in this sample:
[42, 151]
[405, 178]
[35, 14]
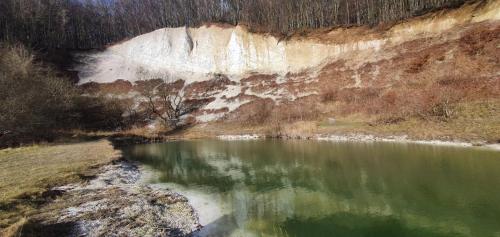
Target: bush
[444, 107]
[437, 100]
[329, 95]
[259, 114]
[33, 100]
[98, 113]
[36, 103]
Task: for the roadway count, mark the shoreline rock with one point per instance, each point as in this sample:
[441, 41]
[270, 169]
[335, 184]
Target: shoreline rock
[115, 203]
[239, 137]
[363, 138]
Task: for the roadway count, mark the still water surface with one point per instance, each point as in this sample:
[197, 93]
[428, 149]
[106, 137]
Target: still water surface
[310, 188]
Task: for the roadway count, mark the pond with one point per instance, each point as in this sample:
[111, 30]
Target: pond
[313, 188]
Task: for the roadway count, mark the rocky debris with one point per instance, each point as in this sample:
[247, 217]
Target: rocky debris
[117, 203]
[372, 138]
[239, 137]
[332, 121]
[362, 138]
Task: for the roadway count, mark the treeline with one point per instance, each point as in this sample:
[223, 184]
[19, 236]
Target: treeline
[85, 24]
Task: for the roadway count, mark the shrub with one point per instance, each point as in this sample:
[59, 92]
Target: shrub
[98, 113]
[257, 112]
[329, 95]
[444, 105]
[33, 100]
[435, 101]
[36, 103]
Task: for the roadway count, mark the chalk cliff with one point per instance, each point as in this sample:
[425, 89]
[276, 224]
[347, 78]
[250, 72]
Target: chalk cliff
[262, 66]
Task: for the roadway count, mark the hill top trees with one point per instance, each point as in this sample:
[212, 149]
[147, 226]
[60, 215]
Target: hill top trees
[85, 24]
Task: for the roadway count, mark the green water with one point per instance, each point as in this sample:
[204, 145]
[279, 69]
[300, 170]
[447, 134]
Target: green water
[309, 188]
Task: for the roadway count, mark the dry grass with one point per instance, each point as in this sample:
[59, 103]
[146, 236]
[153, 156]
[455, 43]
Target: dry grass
[27, 172]
[135, 131]
[14, 229]
[473, 121]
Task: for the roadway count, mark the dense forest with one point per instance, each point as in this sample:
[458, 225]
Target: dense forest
[85, 24]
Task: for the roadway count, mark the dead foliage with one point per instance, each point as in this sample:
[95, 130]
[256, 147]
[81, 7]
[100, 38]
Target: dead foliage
[475, 41]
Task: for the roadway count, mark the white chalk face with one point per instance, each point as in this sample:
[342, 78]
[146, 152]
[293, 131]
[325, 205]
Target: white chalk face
[192, 54]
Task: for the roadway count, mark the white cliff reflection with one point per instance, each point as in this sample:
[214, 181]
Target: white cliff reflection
[303, 188]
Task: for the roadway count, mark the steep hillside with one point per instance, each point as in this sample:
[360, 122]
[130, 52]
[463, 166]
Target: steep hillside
[430, 69]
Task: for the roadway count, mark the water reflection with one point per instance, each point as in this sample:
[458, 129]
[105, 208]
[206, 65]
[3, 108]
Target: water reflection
[305, 188]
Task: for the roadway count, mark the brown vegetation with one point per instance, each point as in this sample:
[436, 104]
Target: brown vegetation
[426, 79]
[32, 99]
[205, 89]
[36, 103]
[116, 87]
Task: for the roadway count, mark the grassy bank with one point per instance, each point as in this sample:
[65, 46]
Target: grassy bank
[27, 173]
[472, 122]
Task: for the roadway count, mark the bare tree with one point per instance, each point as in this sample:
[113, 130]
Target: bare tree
[165, 99]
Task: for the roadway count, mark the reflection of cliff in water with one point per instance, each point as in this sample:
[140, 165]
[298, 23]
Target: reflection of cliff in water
[274, 186]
